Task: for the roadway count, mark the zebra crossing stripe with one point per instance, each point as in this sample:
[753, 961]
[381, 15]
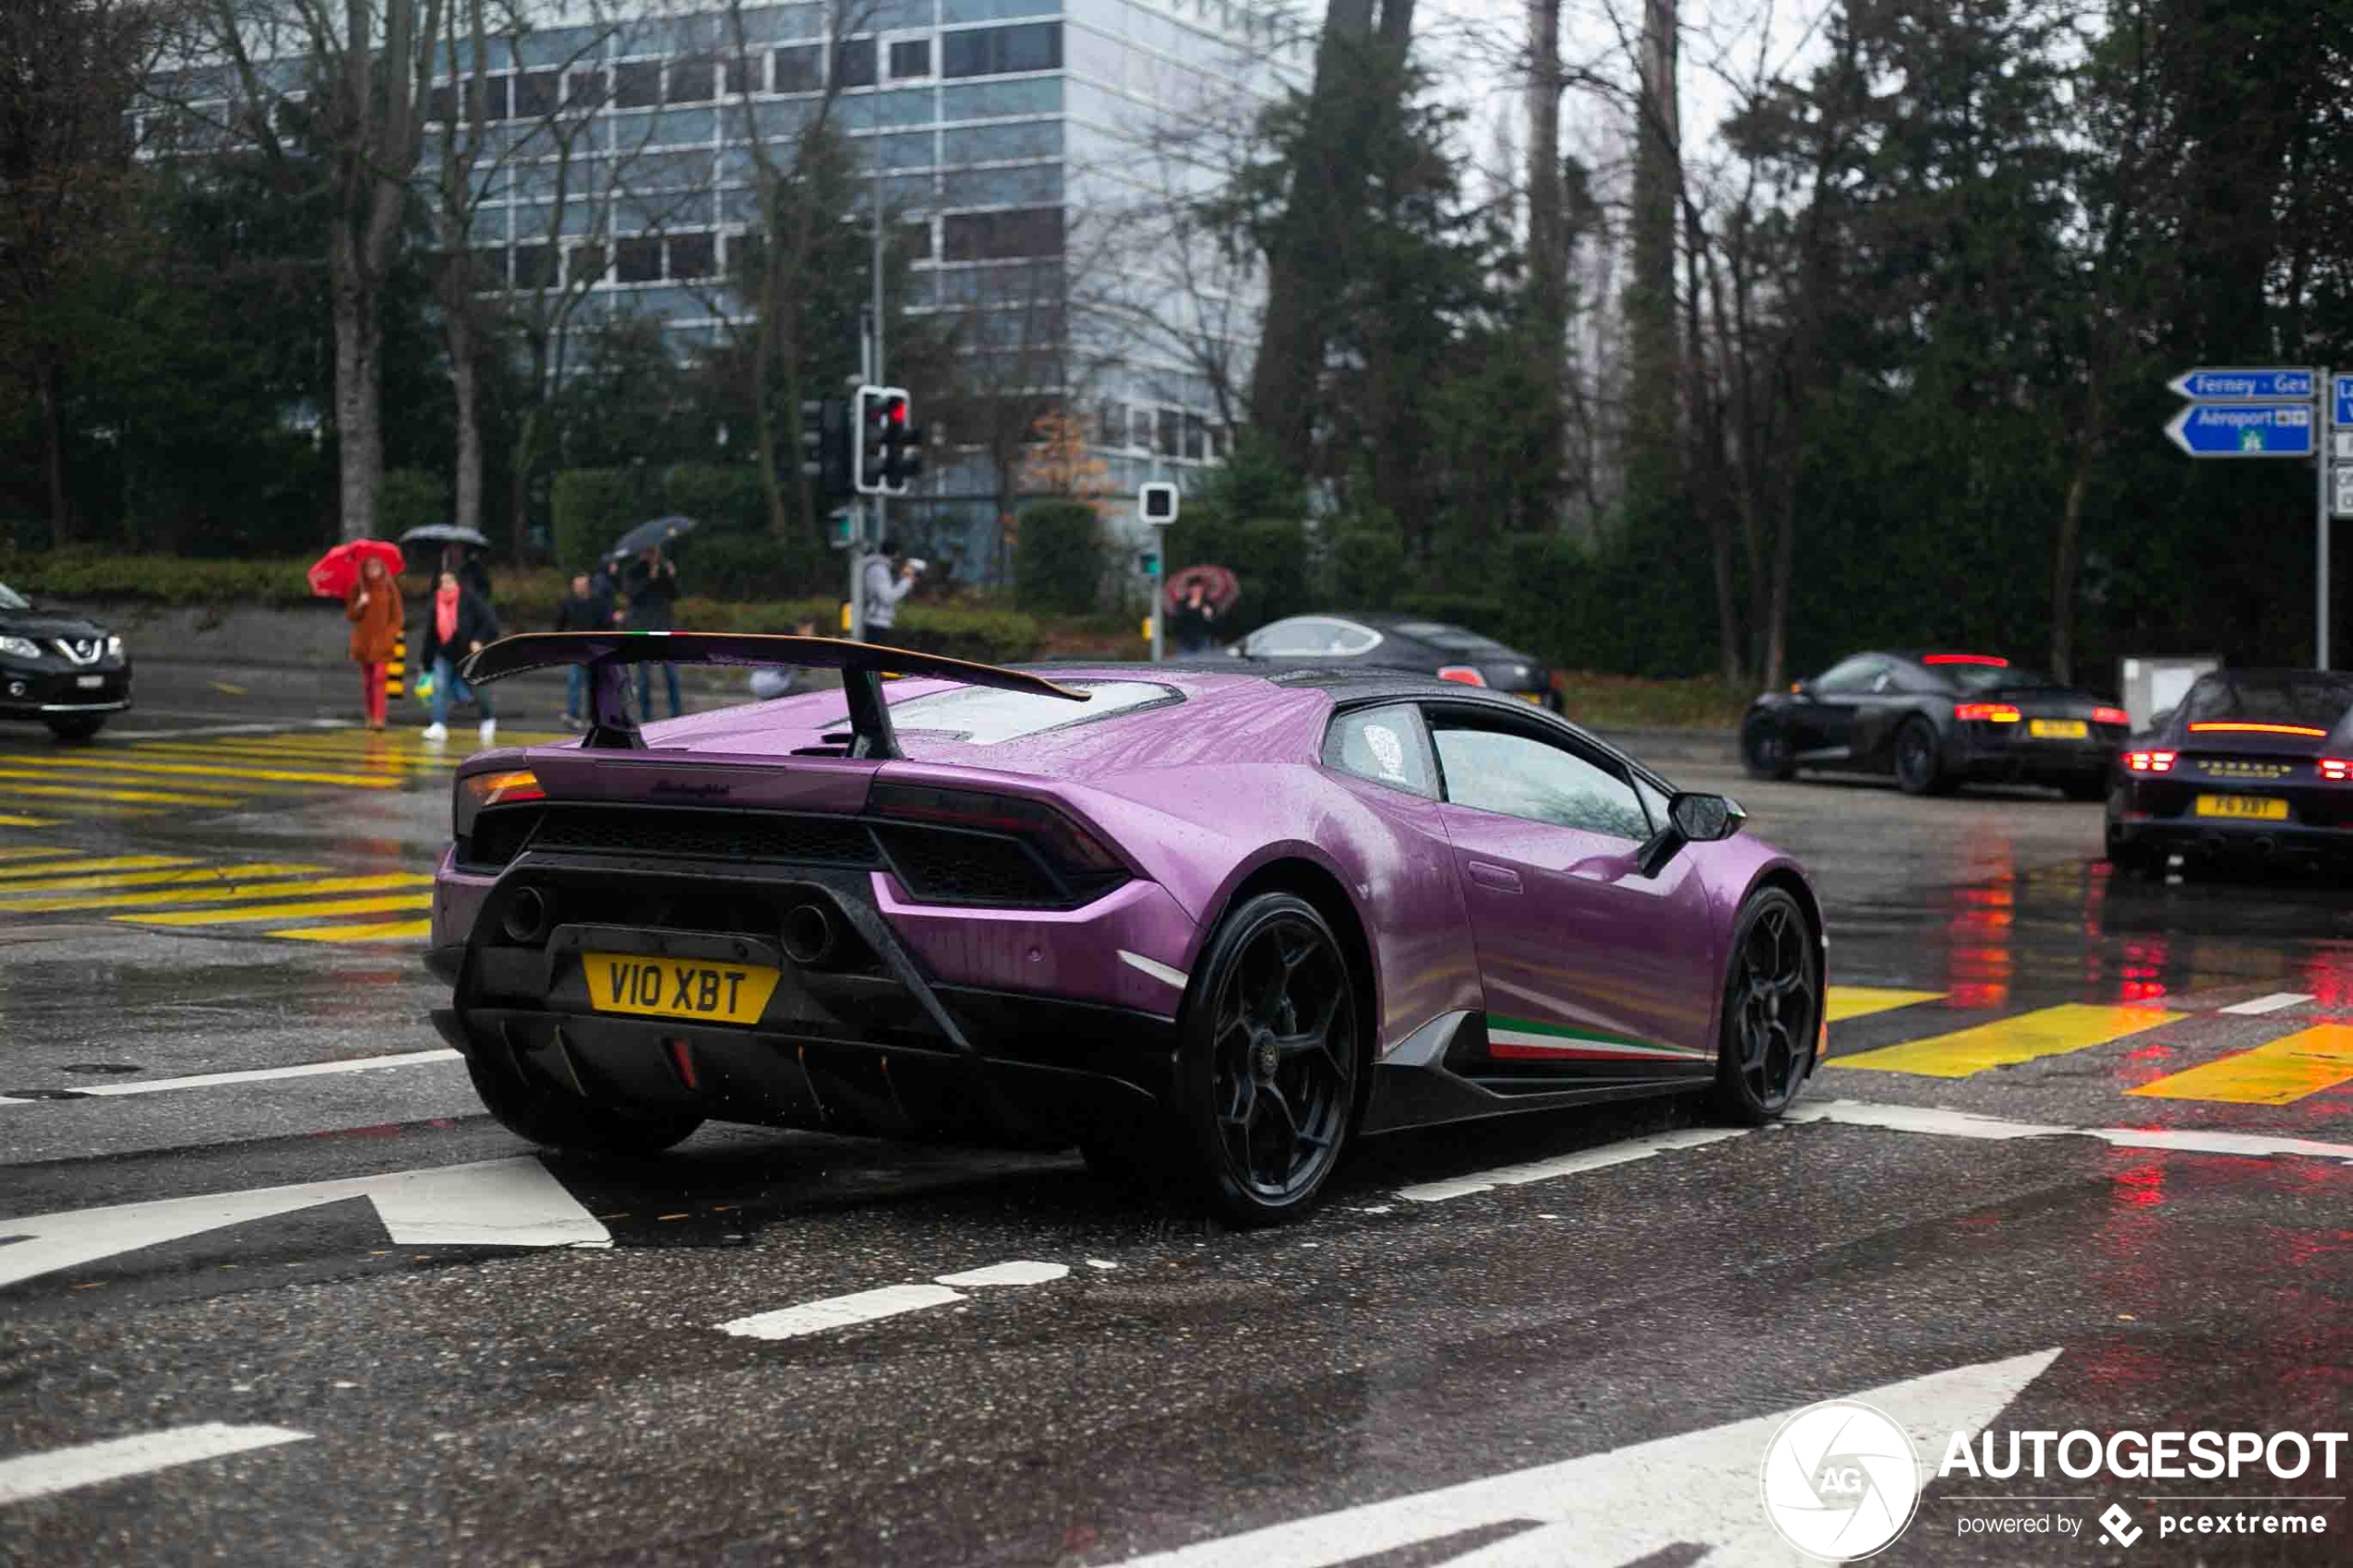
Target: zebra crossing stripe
[2052, 1031]
[53, 861]
[1844, 1002]
[302, 910]
[17, 895]
[388, 931]
[381, 882]
[2280, 1073]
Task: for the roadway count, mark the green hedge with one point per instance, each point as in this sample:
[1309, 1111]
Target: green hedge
[1058, 558]
[168, 580]
[592, 507]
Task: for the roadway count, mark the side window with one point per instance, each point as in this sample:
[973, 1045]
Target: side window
[1654, 801]
[1303, 635]
[1383, 745]
[1849, 679]
[1518, 775]
[1912, 678]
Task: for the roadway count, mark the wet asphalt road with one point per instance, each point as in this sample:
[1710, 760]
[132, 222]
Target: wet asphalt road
[1981, 1232]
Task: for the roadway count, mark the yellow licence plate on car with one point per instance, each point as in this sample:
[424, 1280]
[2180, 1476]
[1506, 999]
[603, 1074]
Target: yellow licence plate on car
[652, 987]
[2255, 805]
[1536, 697]
[2057, 729]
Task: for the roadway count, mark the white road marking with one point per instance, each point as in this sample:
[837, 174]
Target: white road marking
[1620, 1506]
[1964, 1124]
[1154, 967]
[252, 1075]
[1567, 1164]
[1100, 1263]
[839, 1311]
[490, 1203]
[2277, 1001]
[1007, 1273]
[39, 1475]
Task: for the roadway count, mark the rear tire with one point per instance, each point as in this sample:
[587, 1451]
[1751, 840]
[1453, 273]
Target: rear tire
[1269, 1050]
[76, 726]
[1765, 750]
[1772, 1011]
[1919, 761]
[2089, 787]
[546, 1115]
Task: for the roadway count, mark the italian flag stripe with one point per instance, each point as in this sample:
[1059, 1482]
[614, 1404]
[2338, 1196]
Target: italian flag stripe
[1525, 1038]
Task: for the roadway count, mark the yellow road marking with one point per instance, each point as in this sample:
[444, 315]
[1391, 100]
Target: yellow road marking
[28, 821]
[197, 770]
[59, 861]
[402, 930]
[28, 852]
[361, 763]
[2053, 1031]
[94, 792]
[95, 777]
[287, 912]
[378, 884]
[13, 895]
[1861, 1001]
[2277, 1074]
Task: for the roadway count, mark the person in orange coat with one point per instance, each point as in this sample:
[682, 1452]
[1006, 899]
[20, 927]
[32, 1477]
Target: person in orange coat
[373, 609]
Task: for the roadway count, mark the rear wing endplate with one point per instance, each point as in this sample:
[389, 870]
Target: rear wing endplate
[608, 655]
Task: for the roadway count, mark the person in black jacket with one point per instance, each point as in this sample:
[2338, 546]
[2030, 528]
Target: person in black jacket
[652, 586]
[457, 623]
[587, 610]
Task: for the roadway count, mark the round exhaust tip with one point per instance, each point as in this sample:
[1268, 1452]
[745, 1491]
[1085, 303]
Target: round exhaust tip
[808, 935]
[525, 919]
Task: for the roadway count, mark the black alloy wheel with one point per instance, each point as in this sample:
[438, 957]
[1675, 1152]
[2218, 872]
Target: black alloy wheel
[1919, 769]
[1772, 1011]
[1765, 750]
[542, 1113]
[1270, 1055]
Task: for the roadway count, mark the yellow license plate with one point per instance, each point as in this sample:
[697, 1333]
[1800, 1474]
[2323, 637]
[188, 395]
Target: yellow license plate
[653, 987]
[2057, 729]
[2259, 807]
[1536, 697]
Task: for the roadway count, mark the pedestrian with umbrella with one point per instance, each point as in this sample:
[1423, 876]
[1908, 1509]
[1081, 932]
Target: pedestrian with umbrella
[651, 585]
[1197, 596]
[364, 575]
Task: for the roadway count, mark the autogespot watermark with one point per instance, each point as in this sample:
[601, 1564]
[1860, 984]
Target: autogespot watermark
[1841, 1480]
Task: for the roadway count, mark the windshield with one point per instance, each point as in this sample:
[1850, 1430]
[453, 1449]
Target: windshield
[2310, 697]
[982, 716]
[11, 599]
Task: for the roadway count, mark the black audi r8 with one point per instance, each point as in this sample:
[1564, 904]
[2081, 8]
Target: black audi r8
[1382, 640]
[1935, 720]
[2254, 765]
[66, 672]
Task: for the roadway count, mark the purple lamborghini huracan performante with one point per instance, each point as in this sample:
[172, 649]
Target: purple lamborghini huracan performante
[1206, 925]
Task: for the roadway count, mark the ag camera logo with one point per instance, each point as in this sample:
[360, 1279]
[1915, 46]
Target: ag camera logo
[1840, 1480]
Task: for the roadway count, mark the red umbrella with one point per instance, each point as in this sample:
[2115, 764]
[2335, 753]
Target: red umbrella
[1218, 587]
[336, 571]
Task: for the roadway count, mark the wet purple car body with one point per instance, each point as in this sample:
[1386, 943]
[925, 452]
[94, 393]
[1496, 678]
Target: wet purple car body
[982, 906]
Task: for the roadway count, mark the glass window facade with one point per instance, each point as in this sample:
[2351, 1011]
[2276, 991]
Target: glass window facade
[1001, 51]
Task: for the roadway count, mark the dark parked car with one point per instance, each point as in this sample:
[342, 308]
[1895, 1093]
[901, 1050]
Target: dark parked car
[2254, 765]
[1406, 643]
[1209, 923]
[66, 672]
[1934, 720]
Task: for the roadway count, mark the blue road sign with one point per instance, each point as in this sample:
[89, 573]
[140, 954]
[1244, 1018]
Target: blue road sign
[2343, 391]
[2270, 385]
[2271, 430]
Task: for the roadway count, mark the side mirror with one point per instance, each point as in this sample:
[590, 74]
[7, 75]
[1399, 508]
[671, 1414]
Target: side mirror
[1690, 819]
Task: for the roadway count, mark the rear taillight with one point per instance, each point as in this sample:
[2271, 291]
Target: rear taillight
[1068, 848]
[1463, 674]
[2150, 761]
[2337, 769]
[505, 786]
[1985, 713]
[2116, 716]
[2238, 727]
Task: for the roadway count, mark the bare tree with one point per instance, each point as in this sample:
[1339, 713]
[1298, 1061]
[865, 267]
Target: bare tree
[367, 66]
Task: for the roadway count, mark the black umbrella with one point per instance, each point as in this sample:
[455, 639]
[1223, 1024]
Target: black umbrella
[647, 534]
[446, 534]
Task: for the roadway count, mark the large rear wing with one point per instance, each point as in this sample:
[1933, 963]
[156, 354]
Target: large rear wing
[608, 655]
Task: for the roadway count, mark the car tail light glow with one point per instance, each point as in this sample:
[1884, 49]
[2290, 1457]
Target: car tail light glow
[2337, 769]
[1463, 674]
[2110, 716]
[2240, 727]
[1985, 713]
[2150, 761]
[1067, 846]
[504, 788]
[1991, 662]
